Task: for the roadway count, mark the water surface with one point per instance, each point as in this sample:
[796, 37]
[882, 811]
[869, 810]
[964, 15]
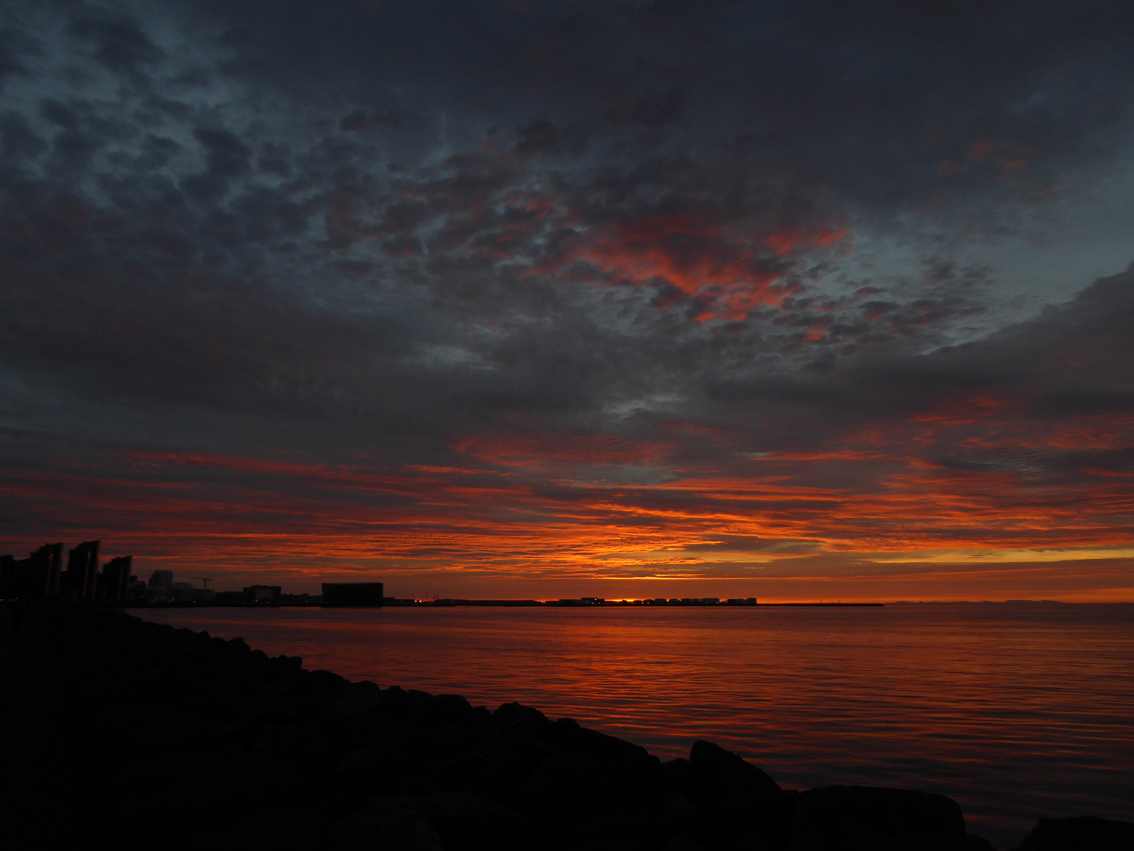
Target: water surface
[1015, 711]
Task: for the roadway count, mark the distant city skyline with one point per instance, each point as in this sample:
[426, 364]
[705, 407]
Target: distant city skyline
[551, 299]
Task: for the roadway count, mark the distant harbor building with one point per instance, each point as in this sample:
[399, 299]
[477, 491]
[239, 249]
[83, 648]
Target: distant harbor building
[161, 580]
[181, 592]
[360, 594]
[136, 590]
[204, 595]
[263, 595]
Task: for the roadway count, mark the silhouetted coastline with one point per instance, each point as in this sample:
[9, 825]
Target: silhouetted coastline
[41, 577]
[146, 735]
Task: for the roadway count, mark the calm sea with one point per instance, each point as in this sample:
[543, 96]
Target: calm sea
[1015, 710]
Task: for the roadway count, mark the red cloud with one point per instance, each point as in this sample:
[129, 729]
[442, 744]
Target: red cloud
[730, 274]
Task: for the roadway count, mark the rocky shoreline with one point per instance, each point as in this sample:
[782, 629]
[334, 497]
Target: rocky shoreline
[136, 733]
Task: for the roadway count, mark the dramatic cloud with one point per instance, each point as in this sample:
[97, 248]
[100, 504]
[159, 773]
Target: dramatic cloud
[493, 295]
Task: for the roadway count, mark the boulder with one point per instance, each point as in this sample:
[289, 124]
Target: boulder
[1084, 833]
[460, 819]
[467, 771]
[837, 817]
[361, 699]
[565, 788]
[396, 830]
[715, 773]
[523, 722]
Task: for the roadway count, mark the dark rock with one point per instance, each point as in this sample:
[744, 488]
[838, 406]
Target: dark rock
[274, 712]
[462, 820]
[397, 830]
[922, 843]
[523, 722]
[223, 785]
[568, 733]
[676, 774]
[362, 699]
[614, 830]
[279, 688]
[237, 644]
[429, 710]
[378, 729]
[683, 843]
[768, 818]
[565, 787]
[715, 773]
[678, 810]
[323, 681]
[312, 751]
[1084, 833]
[259, 658]
[840, 816]
[730, 795]
[382, 767]
[283, 666]
[467, 772]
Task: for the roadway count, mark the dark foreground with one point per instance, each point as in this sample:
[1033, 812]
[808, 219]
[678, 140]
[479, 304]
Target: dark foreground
[142, 735]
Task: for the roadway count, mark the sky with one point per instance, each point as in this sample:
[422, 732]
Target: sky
[514, 298]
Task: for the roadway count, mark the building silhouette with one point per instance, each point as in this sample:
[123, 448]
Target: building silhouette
[33, 578]
[81, 578]
[7, 577]
[161, 580]
[39, 576]
[114, 582]
[181, 592]
[352, 593]
[263, 595]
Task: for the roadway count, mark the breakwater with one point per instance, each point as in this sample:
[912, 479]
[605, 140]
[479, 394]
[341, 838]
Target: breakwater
[161, 737]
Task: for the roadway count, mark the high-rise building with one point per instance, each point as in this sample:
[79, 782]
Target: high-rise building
[80, 580]
[115, 578]
[37, 576]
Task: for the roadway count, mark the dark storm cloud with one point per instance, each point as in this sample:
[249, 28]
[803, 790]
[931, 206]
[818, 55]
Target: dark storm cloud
[18, 52]
[226, 157]
[20, 141]
[115, 41]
